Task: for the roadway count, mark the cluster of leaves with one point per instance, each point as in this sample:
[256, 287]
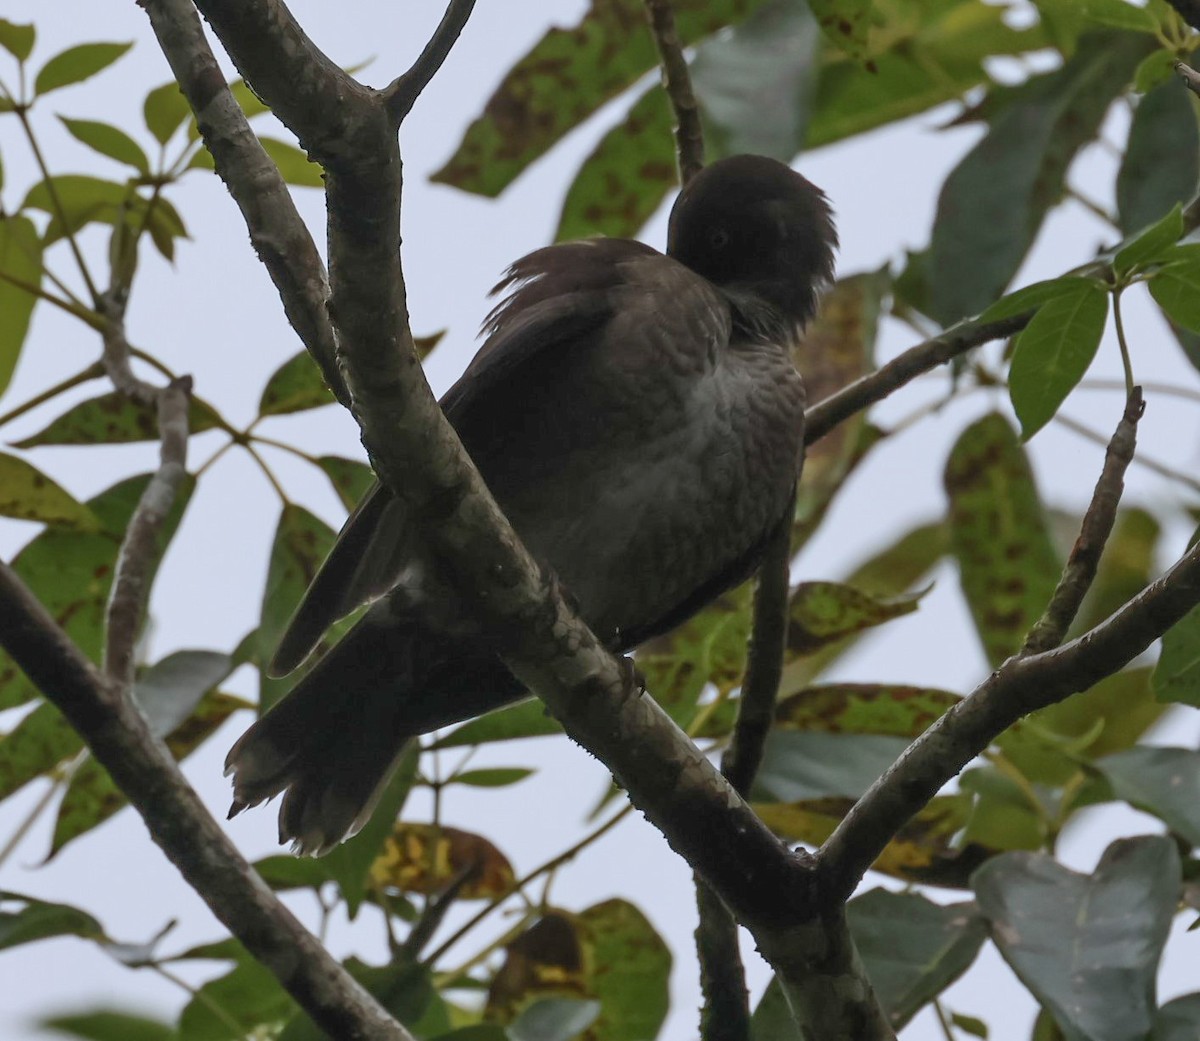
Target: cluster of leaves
[772, 76]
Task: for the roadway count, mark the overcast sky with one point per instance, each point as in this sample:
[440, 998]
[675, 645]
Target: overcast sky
[216, 315]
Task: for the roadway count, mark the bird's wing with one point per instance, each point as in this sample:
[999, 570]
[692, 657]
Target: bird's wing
[557, 296]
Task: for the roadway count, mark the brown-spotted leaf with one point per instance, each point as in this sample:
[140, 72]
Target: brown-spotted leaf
[837, 348]
[610, 952]
[92, 797]
[626, 176]
[864, 708]
[889, 572]
[114, 419]
[821, 612]
[999, 534]
[629, 967]
[28, 494]
[422, 858]
[70, 572]
[924, 850]
[566, 77]
[350, 478]
[546, 959]
[709, 648]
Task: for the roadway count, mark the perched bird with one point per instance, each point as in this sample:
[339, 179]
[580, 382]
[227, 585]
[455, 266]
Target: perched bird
[638, 418]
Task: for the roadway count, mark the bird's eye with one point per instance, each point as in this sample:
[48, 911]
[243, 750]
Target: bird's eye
[718, 238]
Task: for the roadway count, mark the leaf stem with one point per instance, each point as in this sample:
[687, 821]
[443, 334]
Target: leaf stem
[92, 372]
[55, 201]
[1121, 342]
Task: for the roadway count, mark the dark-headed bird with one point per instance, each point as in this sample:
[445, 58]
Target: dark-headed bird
[639, 420]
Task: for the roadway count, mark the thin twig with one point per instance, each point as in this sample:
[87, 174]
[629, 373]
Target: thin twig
[1020, 686]
[725, 1013]
[1080, 570]
[402, 92]
[677, 81]
[959, 338]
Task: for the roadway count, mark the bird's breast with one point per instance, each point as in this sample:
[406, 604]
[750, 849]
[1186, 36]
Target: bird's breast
[640, 493]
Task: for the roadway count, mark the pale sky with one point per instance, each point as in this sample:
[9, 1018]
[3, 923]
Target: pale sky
[216, 315]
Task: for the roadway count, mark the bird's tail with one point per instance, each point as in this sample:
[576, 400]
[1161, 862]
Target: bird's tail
[331, 744]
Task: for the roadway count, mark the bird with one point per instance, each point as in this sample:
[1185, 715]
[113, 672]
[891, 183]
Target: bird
[638, 417]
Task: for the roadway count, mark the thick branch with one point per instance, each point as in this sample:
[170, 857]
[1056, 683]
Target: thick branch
[677, 81]
[1018, 687]
[1080, 569]
[403, 92]
[277, 233]
[916, 361]
[143, 769]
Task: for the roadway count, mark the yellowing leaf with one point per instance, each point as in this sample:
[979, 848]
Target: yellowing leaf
[421, 858]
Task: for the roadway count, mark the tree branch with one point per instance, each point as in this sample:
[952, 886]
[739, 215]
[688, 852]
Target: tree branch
[1020, 686]
[1080, 569]
[402, 92]
[677, 81]
[279, 236]
[959, 338]
[141, 766]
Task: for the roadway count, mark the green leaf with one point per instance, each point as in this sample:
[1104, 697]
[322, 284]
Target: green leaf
[567, 75]
[913, 949]
[1120, 15]
[554, 1019]
[110, 1025]
[1177, 674]
[295, 386]
[492, 777]
[1155, 70]
[164, 109]
[38, 920]
[772, 1019]
[1054, 351]
[820, 613]
[934, 53]
[1123, 706]
[999, 534]
[993, 203]
[1030, 298]
[236, 1004]
[294, 165]
[114, 419]
[1162, 781]
[70, 572]
[526, 719]
[350, 478]
[110, 141]
[1150, 245]
[17, 39]
[92, 200]
[1176, 289]
[404, 989]
[28, 494]
[800, 765]
[1161, 162]
[1086, 946]
[20, 259]
[76, 64]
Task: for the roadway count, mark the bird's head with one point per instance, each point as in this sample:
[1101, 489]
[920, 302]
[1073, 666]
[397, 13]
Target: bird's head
[757, 229]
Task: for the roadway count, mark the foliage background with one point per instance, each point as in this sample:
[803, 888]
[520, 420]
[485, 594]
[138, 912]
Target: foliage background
[214, 314]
